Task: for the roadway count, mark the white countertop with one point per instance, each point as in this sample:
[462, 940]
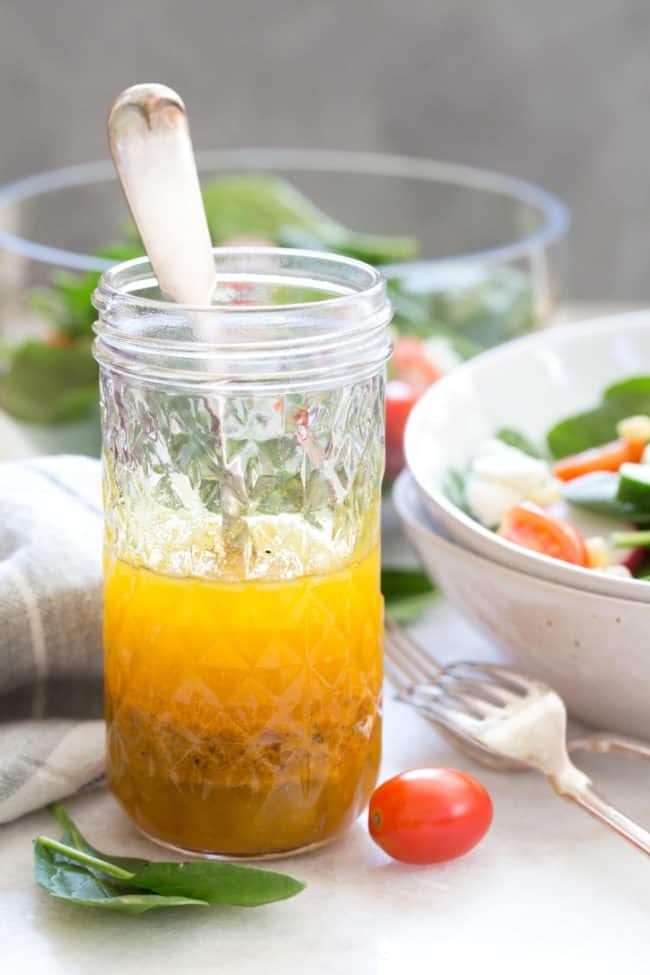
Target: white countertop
[549, 889]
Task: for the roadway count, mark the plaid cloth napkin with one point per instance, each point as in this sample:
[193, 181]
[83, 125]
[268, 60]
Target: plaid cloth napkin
[51, 727]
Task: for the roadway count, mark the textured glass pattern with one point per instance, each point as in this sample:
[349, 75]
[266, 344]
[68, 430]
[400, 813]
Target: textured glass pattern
[243, 458]
[191, 480]
[243, 617]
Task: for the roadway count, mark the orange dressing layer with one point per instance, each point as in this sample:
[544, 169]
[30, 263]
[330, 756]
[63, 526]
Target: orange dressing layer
[243, 718]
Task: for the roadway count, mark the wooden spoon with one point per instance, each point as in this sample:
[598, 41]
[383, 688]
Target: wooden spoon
[149, 139]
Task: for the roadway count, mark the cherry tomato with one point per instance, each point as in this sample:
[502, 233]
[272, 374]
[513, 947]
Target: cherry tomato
[429, 815]
[608, 457]
[412, 365]
[400, 400]
[531, 527]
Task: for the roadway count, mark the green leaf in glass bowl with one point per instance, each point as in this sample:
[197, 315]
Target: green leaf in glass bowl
[65, 303]
[267, 207]
[47, 384]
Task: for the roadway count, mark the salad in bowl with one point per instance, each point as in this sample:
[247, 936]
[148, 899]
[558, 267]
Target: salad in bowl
[535, 455]
[587, 508]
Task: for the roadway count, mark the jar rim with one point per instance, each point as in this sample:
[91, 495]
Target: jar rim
[111, 285]
[235, 341]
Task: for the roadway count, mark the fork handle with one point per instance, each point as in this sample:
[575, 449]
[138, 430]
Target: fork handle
[597, 806]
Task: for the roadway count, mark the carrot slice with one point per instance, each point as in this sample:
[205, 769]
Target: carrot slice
[608, 457]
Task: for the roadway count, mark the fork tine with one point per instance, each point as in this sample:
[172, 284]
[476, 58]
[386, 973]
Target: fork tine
[411, 649]
[487, 690]
[400, 663]
[448, 714]
[397, 677]
[476, 706]
[412, 664]
[422, 695]
[496, 672]
[427, 699]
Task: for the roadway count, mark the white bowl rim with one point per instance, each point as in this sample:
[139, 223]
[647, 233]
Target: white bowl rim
[576, 576]
[416, 521]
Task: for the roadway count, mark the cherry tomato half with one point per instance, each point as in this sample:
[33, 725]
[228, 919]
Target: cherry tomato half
[531, 527]
[429, 815]
[608, 457]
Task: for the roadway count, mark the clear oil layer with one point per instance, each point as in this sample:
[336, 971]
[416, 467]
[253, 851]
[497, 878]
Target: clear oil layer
[244, 718]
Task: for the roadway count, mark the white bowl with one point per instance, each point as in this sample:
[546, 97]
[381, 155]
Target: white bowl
[592, 649]
[529, 384]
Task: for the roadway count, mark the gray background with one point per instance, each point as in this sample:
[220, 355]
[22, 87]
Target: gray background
[555, 91]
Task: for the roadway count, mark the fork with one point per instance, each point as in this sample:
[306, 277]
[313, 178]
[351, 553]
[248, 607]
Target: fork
[508, 721]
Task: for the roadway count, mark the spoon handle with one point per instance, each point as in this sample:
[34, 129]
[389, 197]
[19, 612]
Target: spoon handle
[149, 139]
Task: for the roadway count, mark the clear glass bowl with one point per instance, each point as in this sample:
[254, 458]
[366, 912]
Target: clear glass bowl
[490, 263]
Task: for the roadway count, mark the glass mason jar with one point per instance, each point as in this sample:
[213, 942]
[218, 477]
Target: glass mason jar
[243, 458]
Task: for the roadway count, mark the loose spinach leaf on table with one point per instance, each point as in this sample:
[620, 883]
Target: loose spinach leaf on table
[598, 426]
[64, 878]
[218, 883]
[186, 882]
[73, 837]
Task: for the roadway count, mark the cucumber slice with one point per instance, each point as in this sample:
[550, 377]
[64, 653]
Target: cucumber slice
[634, 485]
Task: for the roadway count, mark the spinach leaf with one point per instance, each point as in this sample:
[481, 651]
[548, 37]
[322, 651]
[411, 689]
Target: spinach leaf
[218, 883]
[66, 302]
[453, 487]
[407, 592]
[598, 492]
[400, 583]
[513, 438]
[73, 837]
[408, 609]
[484, 306]
[585, 430]
[598, 426]
[43, 383]
[262, 205]
[634, 389]
[194, 880]
[64, 878]
[473, 309]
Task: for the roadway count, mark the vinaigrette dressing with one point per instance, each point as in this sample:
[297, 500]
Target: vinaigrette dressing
[243, 717]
